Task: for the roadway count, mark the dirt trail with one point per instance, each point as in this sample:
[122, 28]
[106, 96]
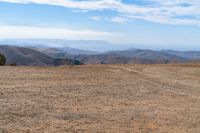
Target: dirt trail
[170, 85]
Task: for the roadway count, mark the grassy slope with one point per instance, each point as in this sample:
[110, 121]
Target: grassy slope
[115, 98]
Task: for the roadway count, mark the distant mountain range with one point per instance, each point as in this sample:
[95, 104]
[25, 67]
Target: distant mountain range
[40, 55]
[89, 45]
[134, 56]
[63, 51]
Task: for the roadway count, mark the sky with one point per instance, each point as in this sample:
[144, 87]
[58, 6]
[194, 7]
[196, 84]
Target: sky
[156, 24]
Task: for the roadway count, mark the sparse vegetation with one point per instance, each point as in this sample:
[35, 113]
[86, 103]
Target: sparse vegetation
[76, 62]
[13, 64]
[100, 98]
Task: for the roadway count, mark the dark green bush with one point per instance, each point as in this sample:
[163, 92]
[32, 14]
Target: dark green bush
[75, 62]
[2, 60]
[13, 64]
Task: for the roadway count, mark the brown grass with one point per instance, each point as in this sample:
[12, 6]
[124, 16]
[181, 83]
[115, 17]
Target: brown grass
[100, 98]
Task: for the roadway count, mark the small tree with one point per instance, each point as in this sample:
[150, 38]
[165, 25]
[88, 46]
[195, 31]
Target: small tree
[2, 60]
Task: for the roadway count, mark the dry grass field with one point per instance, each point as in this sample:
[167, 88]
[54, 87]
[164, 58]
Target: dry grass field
[100, 98]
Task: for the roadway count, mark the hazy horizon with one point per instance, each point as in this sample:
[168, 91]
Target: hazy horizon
[91, 45]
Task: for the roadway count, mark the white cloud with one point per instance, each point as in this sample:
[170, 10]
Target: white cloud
[184, 12]
[96, 18]
[9, 32]
[117, 19]
[120, 20]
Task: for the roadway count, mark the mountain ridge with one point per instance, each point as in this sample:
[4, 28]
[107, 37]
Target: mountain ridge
[23, 56]
[64, 56]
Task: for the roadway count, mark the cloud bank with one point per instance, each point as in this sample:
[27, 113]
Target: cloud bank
[177, 12]
[21, 32]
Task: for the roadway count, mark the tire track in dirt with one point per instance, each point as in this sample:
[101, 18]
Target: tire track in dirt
[148, 78]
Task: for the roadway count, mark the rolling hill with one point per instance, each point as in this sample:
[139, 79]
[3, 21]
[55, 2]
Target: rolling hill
[29, 57]
[191, 55]
[63, 52]
[150, 56]
[49, 56]
[130, 56]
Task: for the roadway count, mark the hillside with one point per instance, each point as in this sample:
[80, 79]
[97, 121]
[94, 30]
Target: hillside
[100, 98]
[29, 57]
[131, 57]
[25, 56]
[115, 57]
[42, 56]
[190, 55]
[53, 52]
[63, 52]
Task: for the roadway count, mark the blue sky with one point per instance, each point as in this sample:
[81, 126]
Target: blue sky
[156, 24]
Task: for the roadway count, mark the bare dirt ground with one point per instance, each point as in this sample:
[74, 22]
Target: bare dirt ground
[100, 98]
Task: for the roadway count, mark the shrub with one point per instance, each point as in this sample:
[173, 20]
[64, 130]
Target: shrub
[13, 64]
[2, 60]
[75, 62]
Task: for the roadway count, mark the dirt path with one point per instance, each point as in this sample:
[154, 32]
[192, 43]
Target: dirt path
[170, 85]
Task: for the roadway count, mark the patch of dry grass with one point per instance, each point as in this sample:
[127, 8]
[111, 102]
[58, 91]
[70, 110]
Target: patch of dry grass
[100, 98]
